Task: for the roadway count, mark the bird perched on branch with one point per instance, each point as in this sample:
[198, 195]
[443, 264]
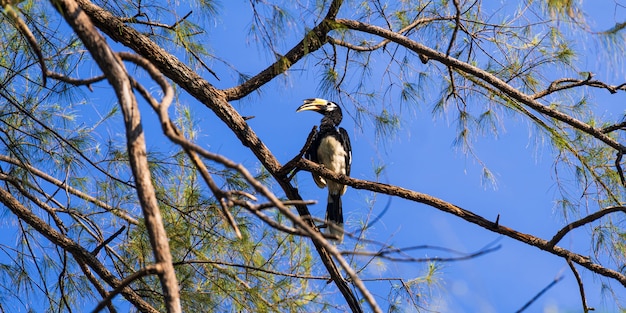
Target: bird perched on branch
[331, 148]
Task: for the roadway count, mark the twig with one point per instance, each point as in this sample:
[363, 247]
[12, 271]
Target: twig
[613, 128]
[158, 107]
[569, 83]
[585, 220]
[76, 81]
[384, 254]
[117, 76]
[107, 241]
[586, 309]
[254, 268]
[540, 293]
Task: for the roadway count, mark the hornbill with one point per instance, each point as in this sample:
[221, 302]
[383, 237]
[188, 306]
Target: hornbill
[331, 148]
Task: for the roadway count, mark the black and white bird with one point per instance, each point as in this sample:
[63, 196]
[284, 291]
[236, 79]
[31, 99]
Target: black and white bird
[331, 148]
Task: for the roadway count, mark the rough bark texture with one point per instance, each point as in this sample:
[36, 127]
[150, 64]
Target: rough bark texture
[117, 76]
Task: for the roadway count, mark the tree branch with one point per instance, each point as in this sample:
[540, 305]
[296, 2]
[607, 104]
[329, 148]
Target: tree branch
[117, 76]
[464, 214]
[540, 293]
[215, 100]
[313, 40]
[581, 288]
[585, 220]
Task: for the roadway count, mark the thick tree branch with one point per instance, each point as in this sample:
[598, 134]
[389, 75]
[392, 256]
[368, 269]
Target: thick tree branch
[464, 214]
[117, 76]
[312, 41]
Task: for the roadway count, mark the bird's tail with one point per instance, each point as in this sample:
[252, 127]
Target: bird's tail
[334, 217]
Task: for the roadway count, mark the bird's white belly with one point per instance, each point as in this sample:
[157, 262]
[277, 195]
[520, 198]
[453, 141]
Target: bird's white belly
[331, 154]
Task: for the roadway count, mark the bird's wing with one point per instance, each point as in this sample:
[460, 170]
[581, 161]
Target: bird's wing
[345, 143]
[311, 155]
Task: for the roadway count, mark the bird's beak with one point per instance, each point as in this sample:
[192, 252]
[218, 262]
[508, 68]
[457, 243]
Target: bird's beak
[315, 104]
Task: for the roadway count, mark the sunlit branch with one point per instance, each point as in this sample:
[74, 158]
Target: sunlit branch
[10, 10]
[167, 89]
[464, 214]
[117, 76]
[583, 221]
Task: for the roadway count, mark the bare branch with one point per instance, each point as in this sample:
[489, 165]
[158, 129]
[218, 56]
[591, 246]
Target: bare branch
[569, 83]
[117, 76]
[385, 254]
[585, 220]
[581, 288]
[540, 293]
[156, 75]
[75, 81]
[464, 214]
[254, 268]
[10, 10]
